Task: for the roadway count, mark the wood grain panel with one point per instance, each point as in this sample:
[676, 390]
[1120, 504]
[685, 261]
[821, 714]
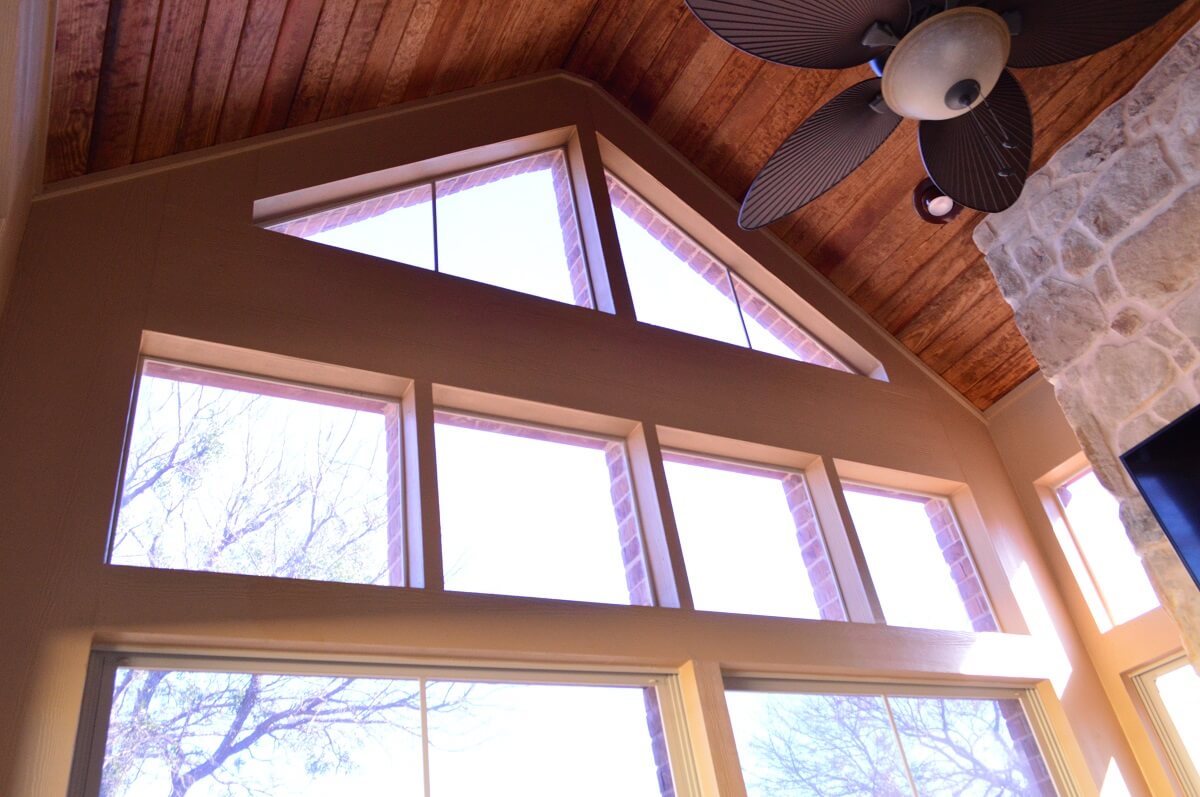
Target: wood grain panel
[133, 81]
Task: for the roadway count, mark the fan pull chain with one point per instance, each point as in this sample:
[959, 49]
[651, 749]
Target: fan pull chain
[1003, 169]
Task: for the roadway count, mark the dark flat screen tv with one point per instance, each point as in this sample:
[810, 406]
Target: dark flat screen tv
[1166, 469]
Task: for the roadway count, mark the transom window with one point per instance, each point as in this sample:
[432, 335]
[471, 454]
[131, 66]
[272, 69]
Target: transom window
[512, 225]
[1102, 555]
[201, 728]
[750, 539]
[918, 560]
[231, 474]
[537, 512]
[867, 742]
[678, 284]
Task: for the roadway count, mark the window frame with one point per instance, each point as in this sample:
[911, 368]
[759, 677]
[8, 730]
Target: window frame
[1052, 753]
[1184, 770]
[273, 222]
[103, 662]
[1068, 543]
[284, 384]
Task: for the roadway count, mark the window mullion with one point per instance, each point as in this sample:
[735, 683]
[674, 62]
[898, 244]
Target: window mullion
[660, 533]
[424, 735]
[710, 731]
[422, 514]
[738, 304]
[599, 226]
[912, 783]
[845, 552]
[433, 217]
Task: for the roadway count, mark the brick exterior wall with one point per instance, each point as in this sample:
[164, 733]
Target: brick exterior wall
[954, 551]
[552, 161]
[808, 533]
[1026, 744]
[751, 304]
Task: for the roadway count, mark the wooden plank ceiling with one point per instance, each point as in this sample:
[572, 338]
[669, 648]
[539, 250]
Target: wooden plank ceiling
[135, 80]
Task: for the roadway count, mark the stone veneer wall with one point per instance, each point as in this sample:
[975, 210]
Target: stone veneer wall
[1100, 260]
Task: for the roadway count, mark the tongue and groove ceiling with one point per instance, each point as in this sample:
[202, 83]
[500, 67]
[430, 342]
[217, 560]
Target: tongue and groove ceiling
[135, 80]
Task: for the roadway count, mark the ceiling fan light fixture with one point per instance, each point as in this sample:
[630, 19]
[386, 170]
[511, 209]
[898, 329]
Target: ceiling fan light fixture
[932, 205]
[947, 65]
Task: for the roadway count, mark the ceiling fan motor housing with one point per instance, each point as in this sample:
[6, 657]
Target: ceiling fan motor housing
[947, 65]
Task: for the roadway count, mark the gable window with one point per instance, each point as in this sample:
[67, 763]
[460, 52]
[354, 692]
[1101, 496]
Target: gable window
[918, 560]
[678, 284]
[1171, 694]
[189, 727]
[1101, 553]
[750, 539]
[537, 512]
[512, 225]
[844, 739]
[232, 474]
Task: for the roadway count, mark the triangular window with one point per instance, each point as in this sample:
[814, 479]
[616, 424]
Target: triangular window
[678, 284]
[512, 225]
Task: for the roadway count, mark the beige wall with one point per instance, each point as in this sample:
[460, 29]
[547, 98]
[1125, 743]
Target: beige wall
[25, 31]
[171, 249]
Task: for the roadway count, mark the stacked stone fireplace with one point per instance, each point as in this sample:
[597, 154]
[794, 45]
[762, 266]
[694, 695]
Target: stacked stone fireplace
[1100, 260]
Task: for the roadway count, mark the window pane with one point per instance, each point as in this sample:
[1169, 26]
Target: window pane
[772, 331]
[396, 226]
[236, 475]
[513, 225]
[750, 540]
[970, 747]
[1095, 520]
[210, 734]
[918, 561]
[795, 745]
[675, 284]
[1179, 691]
[544, 741]
[535, 512]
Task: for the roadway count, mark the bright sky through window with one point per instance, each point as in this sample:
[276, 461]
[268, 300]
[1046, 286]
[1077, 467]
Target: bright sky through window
[803, 745]
[179, 733]
[743, 529]
[911, 576]
[532, 512]
[512, 225]
[1179, 691]
[236, 475]
[1095, 523]
[677, 284]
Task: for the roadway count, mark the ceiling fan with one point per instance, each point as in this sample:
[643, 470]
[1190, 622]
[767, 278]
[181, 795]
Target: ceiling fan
[936, 61]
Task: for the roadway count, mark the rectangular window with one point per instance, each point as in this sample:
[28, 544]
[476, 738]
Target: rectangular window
[199, 728]
[918, 560]
[865, 742]
[512, 225]
[537, 512]
[231, 474]
[678, 284]
[750, 539]
[1171, 693]
[1109, 562]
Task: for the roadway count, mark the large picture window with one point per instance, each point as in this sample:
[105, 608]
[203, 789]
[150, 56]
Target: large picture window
[203, 728]
[230, 474]
[864, 742]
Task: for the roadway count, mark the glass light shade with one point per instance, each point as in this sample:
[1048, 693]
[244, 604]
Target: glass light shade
[963, 44]
[940, 206]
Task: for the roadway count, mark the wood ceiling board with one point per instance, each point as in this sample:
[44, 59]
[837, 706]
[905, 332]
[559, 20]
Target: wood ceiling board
[132, 82]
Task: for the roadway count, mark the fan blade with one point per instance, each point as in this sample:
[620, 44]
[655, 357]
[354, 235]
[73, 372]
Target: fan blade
[1055, 31]
[819, 154]
[816, 34]
[981, 159]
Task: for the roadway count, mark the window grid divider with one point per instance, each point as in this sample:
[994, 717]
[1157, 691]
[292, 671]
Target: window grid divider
[660, 534]
[422, 512]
